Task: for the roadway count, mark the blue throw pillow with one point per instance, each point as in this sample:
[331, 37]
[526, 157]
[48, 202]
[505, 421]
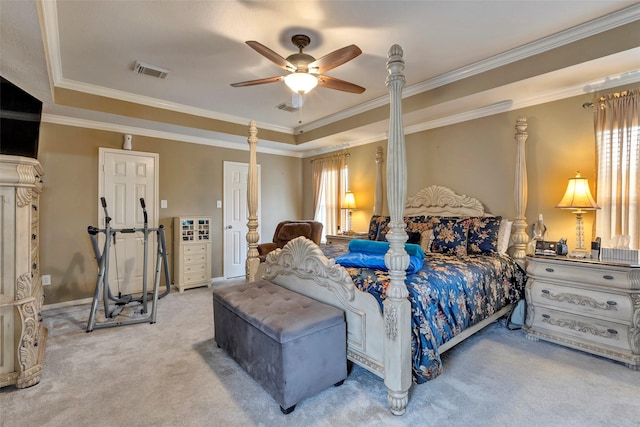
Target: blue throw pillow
[374, 247]
[375, 261]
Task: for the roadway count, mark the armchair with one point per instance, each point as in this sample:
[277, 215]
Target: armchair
[288, 230]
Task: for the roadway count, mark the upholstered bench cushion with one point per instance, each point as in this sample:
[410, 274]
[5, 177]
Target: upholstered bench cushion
[278, 312]
[292, 345]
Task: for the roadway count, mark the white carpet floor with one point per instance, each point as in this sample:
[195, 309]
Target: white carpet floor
[172, 374]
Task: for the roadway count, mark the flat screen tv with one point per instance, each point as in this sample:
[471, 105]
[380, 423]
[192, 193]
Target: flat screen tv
[20, 115]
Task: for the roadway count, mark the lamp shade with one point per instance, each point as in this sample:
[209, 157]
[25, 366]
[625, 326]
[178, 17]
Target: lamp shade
[349, 201]
[301, 82]
[578, 196]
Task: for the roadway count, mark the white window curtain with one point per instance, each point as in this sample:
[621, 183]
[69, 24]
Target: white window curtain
[329, 177]
[617, 123]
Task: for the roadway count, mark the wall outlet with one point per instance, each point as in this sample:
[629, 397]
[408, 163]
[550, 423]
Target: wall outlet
[46, 280]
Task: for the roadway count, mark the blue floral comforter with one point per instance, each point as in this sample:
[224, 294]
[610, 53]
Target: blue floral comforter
[448, 294]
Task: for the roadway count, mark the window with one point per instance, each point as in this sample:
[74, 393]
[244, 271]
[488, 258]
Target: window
[330, 176]
[617, 124]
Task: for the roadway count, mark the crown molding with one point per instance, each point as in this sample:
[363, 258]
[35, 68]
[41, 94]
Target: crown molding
[162, 104]
[229, 141]
[570, 35]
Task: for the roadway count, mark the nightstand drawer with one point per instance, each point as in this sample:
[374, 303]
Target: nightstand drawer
[583, 329]
[599, 275]
[608, 306]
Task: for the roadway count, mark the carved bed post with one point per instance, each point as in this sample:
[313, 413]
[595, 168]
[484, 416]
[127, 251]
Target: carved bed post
[519, 234]
[377, 197]
[253, 261]
[396, 307]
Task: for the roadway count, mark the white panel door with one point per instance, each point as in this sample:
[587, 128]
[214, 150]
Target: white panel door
[236, 216]
[127, 176]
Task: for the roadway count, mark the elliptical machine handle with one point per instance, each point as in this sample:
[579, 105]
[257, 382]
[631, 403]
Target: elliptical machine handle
[144, 210]
[107, 218]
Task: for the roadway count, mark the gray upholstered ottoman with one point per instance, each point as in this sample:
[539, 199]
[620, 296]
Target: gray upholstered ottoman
[292, 345]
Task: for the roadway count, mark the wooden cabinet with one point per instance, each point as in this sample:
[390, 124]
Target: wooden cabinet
[22, 335]
[592, 306]
[191, 252]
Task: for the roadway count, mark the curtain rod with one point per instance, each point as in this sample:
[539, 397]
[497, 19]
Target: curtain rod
[600, 100]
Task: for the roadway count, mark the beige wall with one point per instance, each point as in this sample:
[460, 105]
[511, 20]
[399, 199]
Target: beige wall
[191, 180]
[477, 158]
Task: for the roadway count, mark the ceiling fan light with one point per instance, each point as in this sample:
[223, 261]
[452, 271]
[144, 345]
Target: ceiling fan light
[301, 83]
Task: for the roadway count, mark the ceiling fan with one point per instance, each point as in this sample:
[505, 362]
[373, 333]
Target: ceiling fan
[306, 72]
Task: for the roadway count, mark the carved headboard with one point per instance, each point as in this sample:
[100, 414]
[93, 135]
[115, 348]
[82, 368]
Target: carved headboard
[436, 200]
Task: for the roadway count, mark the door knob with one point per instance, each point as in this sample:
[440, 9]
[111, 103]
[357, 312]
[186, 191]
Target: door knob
[229, 227]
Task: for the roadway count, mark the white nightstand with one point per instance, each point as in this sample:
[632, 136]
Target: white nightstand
[589, 305]
[344, 239]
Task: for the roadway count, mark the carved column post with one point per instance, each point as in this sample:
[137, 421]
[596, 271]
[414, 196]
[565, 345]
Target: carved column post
[519, 235]
[377, 197]
[253, 260]
[397, 309]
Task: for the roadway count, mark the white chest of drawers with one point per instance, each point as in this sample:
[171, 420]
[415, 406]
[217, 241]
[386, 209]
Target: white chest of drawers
[588, 305]
[192, 252]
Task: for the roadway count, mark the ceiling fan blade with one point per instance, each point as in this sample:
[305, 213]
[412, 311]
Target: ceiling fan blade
[337, 84]
[271, 55]
[335, 58]
[257, 82]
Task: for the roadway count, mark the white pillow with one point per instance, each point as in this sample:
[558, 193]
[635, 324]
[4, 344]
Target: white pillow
[504, 235]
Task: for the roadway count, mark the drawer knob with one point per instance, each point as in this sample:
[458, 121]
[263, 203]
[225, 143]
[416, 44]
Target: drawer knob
[612, 331]
[549, 269]
[546, 316]
[612, 303]
[608, 277]
[546, 291]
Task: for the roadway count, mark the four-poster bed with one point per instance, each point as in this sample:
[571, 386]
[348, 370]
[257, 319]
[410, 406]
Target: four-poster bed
[379, 334]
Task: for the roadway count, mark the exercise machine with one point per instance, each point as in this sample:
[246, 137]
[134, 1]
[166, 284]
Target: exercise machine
[102, 283]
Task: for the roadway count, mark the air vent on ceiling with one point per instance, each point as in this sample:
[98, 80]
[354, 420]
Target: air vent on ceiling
[150, 70]
[286, 107]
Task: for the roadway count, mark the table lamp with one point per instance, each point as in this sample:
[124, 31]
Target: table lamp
[349, 203]
[578, 198]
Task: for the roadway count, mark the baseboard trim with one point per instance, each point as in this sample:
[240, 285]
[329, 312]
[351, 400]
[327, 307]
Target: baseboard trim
[46, 307]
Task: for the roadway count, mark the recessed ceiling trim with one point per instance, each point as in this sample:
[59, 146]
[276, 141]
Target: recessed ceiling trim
[159, 103]
[232, 142]
[570, 35]
[596, 26]
[49, 17]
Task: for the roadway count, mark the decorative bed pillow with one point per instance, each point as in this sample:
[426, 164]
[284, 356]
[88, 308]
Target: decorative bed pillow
[504, 236]
[374, 226]
[426, 239]
[383, 228]
[482, 237]
[414, 237]
[450, 235]
[416, 223]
